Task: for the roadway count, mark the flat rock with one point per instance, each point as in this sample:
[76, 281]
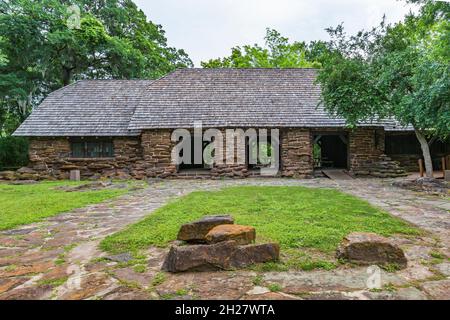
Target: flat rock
[121, 257]
[197, 230]
[410, 293]
[443, 268]
[225, 232]
[415, 272]
[369, 248]
[296, 282]
[257, 290]
[219, 256]
[19, 231]
[25, 170]
[7, 175]
[271, 296]
[438, 290]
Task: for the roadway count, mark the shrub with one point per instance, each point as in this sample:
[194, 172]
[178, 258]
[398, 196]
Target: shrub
[13, 152]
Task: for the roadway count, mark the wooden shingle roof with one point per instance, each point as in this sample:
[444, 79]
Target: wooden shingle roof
[87, 108]
[217, 97]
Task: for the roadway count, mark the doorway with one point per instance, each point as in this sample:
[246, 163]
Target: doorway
[330, 151]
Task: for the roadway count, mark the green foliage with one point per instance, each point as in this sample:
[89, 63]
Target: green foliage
[159, 278]
[399, 72]
[278, 53]
[22, 204]
[13, 152]
[41, 52]
[274, 287]
[53, 282]
[295, 217]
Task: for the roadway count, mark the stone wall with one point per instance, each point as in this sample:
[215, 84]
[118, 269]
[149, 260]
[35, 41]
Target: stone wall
[156, 150]
[149, 156]
[50, 158]
[296, 153]
[408, 161]
[366, 145]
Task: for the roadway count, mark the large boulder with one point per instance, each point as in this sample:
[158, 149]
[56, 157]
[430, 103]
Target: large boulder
[370, 248]
[241, 234]
[219, 256]
[196, 231]
[258, 253]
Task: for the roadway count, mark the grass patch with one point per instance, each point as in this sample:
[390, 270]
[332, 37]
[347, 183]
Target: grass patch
[257, 280]
[437, 255]
[274, 287]
[23, 204]
[53, 282]
[140, 268]
[295, 217]
[159, 278]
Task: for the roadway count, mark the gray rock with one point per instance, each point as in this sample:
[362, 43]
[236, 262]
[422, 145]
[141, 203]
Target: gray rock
[369, 248]
[121, 257]
[26, 170]
[196, 231]
[220, 256]
[19, 231]
[438, 290]
[443, 268]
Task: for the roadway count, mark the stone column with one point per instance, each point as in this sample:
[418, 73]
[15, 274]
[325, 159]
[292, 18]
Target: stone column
[156, 150]
[296, 153]
[366, 145]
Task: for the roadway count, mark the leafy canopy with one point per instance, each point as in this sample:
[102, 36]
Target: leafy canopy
[277, 53]
[41, 50]
[396, 71]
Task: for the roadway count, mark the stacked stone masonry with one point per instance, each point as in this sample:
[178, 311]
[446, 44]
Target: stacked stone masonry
[149, 156]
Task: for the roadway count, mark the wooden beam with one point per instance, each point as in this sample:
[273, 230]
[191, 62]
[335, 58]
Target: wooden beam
[421, 167]
[343, 138]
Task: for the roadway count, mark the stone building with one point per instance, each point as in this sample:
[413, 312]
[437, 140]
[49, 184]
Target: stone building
[123, 128]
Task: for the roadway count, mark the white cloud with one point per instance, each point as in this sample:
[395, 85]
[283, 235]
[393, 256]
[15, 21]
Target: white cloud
[208, 29]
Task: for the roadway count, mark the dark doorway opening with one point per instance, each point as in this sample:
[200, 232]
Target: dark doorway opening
[330, 151]
[192, 165]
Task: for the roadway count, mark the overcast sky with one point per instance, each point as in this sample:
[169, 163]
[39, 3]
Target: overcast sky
[210, 28]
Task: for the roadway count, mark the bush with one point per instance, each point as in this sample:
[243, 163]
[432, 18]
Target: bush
[13, 152]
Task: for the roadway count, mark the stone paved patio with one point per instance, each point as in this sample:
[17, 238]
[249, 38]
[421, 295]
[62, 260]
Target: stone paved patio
[58, 258]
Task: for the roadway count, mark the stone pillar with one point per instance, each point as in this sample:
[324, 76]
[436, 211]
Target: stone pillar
[46, 156]
[296, 153]
[366, 145]
[156, 151]
[231, 166]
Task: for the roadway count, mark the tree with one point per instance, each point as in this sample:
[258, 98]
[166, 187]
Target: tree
[40, 51]
[396, 72]
[277, 53]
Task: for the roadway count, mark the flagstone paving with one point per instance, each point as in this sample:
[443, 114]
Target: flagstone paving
[59, 258]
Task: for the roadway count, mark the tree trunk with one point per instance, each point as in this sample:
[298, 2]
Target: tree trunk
[66, 76]
[426, 153]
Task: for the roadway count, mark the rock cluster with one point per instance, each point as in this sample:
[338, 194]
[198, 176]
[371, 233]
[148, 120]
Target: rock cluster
[369, 248]
[424, 184]
[383, 167]
[196, 231]
[24, 173]
[216, 243]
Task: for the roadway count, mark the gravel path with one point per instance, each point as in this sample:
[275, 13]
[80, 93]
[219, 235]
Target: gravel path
[58, 257]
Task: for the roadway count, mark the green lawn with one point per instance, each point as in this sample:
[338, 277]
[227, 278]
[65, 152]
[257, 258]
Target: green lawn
[22, 204]
[315, 220]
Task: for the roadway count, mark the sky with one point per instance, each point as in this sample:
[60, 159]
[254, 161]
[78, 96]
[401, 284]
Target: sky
[208, 29]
